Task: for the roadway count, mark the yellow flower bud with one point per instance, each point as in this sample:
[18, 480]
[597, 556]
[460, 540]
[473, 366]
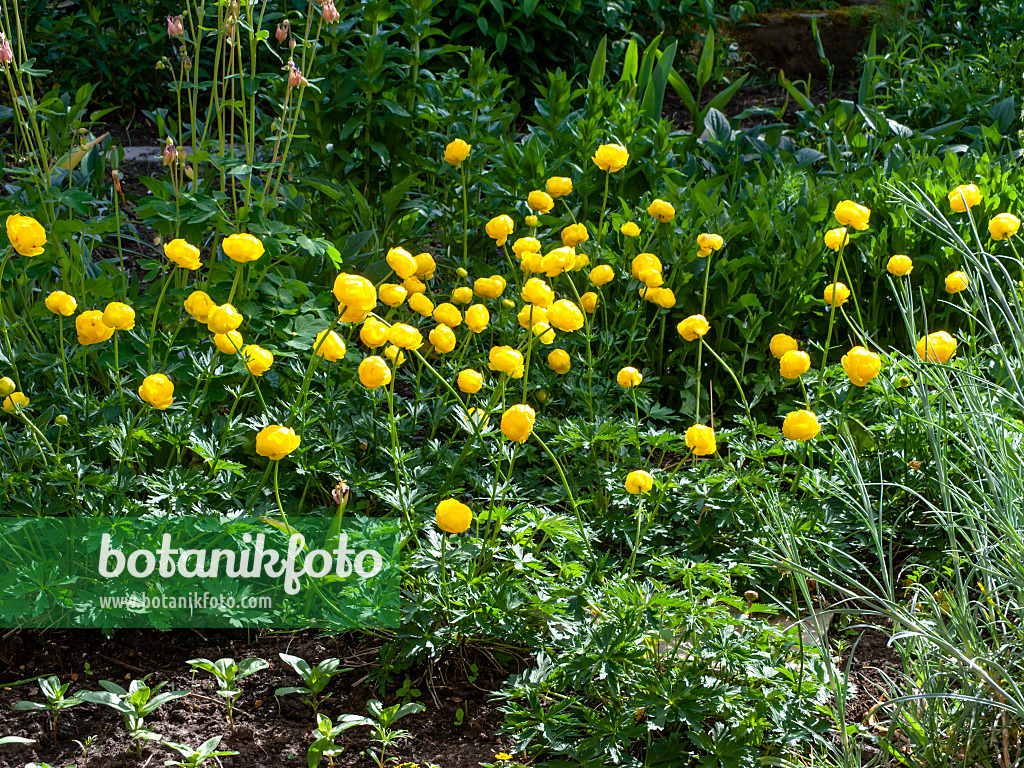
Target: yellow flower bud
[275, 442]
[453, 516]
[157, 390]
[517, 423]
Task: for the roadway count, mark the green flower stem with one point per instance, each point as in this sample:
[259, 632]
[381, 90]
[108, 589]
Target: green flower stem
[465, 218]
[36, 434]
[277, 491]
[259, 488]
[63, 355]
[314, 359]
[732, 375]
[227, 427]
[156, 316]
[636, 431]
[604, 205]
[234, 283]
[587, 332]
[831, 325]
[395, 448]
[639, 535]
[572, 499]
[3, 326]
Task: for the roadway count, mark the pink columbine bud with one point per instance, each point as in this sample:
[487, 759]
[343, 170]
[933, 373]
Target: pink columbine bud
[170, 154]
[175, 27]
[329, 12]
[6, 54]
[340, 492]
[284, 29]
[295, 78]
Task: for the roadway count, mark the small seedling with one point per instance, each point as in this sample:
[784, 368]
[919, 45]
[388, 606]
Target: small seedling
[407, 692]
[135, 703]
[327, 733]
[84, 746]
[195, 758]
[56, 701]
[316, 679]
[383, 719]
[228, 674]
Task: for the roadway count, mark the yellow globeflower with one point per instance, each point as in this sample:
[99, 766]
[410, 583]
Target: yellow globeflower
[558, 186]
[517, 423]
[694, 327]
[373, 333]
[559, 361]
[963, 197]
[800, 425]
[646, 267]
[330, 346]
[506, 360]
[419, 302]
[708, 242]
[7, 386]
[91, 328]
[629, 377]
[402, 262]
[836, 295]
[414, 285]
[27, 235]
[442, 338]
[499, 228]
[61, 303]
[355, 291]
[425, 266]
[836, 238]
[602, 274]
[526, 245]
[257, 359]
[630, 229]
[470, 381]
[275, 442]
[544, 333]
[639, 481]
[794, 364]
[611, 157]
[462, 295]
[701, 440]
[119, 316]
[374, 372]
[1003, 226]
[565, 316]
[851, 214]
[456, 151]
[539, 201]
[489, 287]
[223, 318]
[448, 314]
[405, 336]
[14, 401]
[182, 254]
[198, 305]
[899, 265]
[590, 300]
[242, 248]
[530, 315]
[782, 343]
[936, 347]
[157, 390]
[537, 292]
[574, 234]
[391, 294]
[229, 343]
[394, 354]
[477, 318]
[531, 220]
[861, 365]
[661, 210]
[956, 282]
[453, 516]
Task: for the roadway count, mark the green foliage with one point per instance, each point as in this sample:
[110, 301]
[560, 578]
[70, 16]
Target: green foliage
[228, 673]
[315, 679]
[135, 703]
[56, 702]
[199, 756]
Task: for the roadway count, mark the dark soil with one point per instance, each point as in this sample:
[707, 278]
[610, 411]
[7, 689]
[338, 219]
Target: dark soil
[268, 732]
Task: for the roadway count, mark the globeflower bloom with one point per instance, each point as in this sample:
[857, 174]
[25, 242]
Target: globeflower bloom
[794, 364]
[14, 401]
[462, 295]
[414, 285]
[61, 303]
[477, 318]
[257, 359]
[405, 336]
[525, 245]
[851, 214]
[442, 338]
[782, 343]
[661, 210]
[639, 481]
[589, 300]
[531, 220]
[425, 266]
[602, 274]
[558, 186]
[499, 228]
[470, 381]
[836, 294]
[708, 242]
[629, 377]
[565, 316]
[223, 318]
[1003, 226]
[630, 229]
[530, 315]
[543, 332]
[559, 361]
[229, 343]
[963, 197]
[611, 157]
[119, 316]
[275, 442]
[936, 347]
[899, 265]
[800, 425]
[456, 152]
[157, 390]
[489, 287]
[373, 332]
[243, 248]
[374, 372]
[574, 234]
[506, 360]
[861, 365]
[391, 294]
[694, 327]
[27, 235]
[536, 291]
[91, 328]
[7, 386]
[198, 305]
[453, 516]
[540, 201]
[646, 267]
[402, 262]
[701, 440]
[419, 302]
[956, 282]
[182, 254]
[517, 423]
[448, 314]
[394, 354]
[355, 291]
[836, 238]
